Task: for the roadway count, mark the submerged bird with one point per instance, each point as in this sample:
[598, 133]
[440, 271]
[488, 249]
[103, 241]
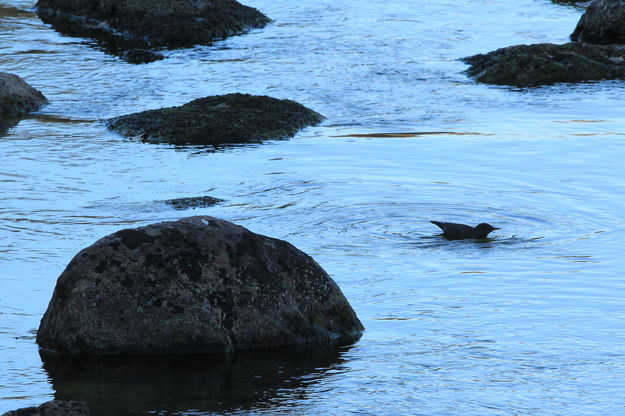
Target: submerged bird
[454, 231]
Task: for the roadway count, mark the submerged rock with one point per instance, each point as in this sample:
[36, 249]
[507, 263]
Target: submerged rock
[221, 119]
[546, 63]
[193, 202]
[197, 285]
[602, 23]
[141, 56]
[53, 408]
[151, 23]
[17, 97]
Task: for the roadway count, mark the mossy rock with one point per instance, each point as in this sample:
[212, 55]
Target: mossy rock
[546, 63]
[151, 23]
[215, 120]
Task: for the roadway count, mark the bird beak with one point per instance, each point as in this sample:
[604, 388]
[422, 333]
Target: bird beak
[495, 228]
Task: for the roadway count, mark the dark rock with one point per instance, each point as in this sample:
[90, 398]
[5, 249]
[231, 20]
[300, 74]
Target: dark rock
[141, 56]
[53, 408]
[221, 119]
[17, 97]
[602, 23]
[151, 23]
[575, 3]
[546, 63]
[193, 202]
[197, 285]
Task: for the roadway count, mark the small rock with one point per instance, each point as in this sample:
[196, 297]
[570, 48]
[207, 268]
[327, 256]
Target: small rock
[141, 56]
[53, 408]
[193, 202]
[17, 97]
[199, 285]
[221, 119]
[602, 23]
[546, 63]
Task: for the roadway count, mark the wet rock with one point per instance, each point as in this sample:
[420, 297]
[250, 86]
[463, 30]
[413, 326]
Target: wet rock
[17, 97]
[53, 408]
[141, 56]
[197, 285]
[546, 63]
[221, 119]
[576, 3]
[151, 23]
[602, 23]
[193, 202]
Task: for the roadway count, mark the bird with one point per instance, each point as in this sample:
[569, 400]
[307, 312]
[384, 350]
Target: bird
[454, 231]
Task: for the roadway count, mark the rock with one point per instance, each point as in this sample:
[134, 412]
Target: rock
[221, 119]
[546, 63]
[602, 23]
[53, 408]
[575, 3]
[199, 285]
[17, 97]
[193, 202]
[141, 56]
[151, 23]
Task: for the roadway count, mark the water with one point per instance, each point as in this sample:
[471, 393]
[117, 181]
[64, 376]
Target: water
[530, 323]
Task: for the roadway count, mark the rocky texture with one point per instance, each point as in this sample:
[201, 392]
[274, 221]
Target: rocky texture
[221, 119]
[603, 23]
[546, 63]
[197, 285]
[576, 3]
[17, 97]
[53, 408]
[141, 56]
[193, 202]
[151, 23]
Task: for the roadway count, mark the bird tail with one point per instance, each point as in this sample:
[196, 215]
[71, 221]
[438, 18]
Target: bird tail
[438, 224]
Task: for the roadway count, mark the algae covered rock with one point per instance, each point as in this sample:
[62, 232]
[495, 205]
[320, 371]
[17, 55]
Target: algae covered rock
[603, 22]
[546, 63]
[197, 285]
[132, 24]
[17, 97]
[221, 119]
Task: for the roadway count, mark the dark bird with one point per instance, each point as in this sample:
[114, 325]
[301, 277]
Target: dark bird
[454, 231]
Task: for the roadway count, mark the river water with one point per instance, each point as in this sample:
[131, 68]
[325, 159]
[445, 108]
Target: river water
[529, 323]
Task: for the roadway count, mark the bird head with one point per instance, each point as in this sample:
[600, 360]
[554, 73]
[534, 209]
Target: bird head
[485, 228]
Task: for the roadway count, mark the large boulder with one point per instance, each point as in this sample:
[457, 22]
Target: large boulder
[17, 97]
[546, 63]
[151, 23]
[197, 285]
[52, 408]
[220, 119]
[602, 22]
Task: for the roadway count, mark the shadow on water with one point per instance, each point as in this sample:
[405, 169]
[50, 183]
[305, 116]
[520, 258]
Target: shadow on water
[113, 385]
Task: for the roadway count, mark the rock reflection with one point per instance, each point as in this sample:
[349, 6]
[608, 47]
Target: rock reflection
[173, 384]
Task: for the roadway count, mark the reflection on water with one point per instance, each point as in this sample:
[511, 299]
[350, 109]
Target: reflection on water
[174, 384]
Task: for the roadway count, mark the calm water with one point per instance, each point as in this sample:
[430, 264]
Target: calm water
[530, 323]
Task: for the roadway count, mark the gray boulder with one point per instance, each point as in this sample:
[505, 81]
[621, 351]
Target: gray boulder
[197, 285]
[128, 24]
[220, 119]
[17, 97]
[546, 63]
[53, 408]
[602, 22]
